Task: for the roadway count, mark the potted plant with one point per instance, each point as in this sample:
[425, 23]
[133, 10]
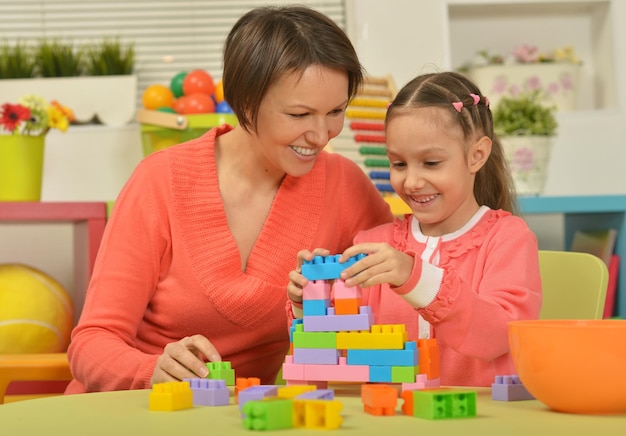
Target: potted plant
[527, 126]
[526, 68]
[95, 79]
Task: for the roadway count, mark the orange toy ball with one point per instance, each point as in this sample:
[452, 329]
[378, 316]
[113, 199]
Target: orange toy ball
[157, 96]
[219, 92]
[180, 104]
[199, 104]
[198, 82]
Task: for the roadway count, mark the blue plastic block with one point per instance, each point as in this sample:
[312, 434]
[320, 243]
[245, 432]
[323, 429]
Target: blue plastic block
[315, 307]
[380, 374]
[407, 357]
[327, 267]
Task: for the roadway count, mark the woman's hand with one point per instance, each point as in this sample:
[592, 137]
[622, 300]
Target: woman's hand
[383, 264]
[296, 280]
[185, 359]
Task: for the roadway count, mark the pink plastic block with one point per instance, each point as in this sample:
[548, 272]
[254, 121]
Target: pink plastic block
[316, 356]
[341, 291]
[292, 371]
[509, 388]
[209, 392]
[337, 373]
[340, 323]
[316, 290]
[421, 382]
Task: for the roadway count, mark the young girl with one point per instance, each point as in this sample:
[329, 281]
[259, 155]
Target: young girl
[462, 261]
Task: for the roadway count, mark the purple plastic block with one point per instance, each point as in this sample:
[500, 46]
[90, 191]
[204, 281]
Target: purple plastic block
[257, 392]
[318, 394]
[316, 356]
[209, 392]
[340, 323]
[509, 388]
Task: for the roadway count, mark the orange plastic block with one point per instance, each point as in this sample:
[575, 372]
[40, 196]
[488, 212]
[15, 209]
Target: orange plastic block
[379, 399]
[171, 396]
[317, 414]
[429, 357]
[347, 306]
[380, 337]
[242, 383]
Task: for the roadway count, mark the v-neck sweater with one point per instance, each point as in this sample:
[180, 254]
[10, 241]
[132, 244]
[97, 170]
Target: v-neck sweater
[169, 267]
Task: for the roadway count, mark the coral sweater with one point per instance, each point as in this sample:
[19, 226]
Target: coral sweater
[168, 266]
[467, 285]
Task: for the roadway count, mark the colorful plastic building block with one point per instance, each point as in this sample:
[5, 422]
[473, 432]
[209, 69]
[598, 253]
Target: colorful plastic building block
[439, 403]
[256, 393]
[316, 356]
[509, 388]
[429, 357]
[339, 323]
[316, 290]
[327, 267]
[421, 382]
[242, 383]
[317, 414]
[380, 336]
[221, 371]
[409, 356]
[209, 392]
[170, 396]
[379, 399]
[317, 394]
[270, 414]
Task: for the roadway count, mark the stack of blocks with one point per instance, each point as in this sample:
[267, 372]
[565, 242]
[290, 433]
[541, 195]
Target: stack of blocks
[337, 340]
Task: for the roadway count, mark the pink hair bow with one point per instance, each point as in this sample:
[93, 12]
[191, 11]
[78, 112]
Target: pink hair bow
[476, 98]
[458, 105]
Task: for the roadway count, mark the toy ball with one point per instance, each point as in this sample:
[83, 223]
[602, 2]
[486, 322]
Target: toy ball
[36, 314]
[157, 96]
[223, 108]
[219, 92]
[180, 104]
[198, 82]
[198, 104]
[176, 84]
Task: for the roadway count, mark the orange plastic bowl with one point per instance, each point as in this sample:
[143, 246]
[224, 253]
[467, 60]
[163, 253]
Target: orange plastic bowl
[574, 366]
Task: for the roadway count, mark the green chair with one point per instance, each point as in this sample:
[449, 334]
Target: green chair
[574, 285]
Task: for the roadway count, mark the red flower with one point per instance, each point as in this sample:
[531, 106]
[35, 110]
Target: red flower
[11, 115]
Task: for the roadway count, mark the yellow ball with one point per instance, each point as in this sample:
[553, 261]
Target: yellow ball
[219, 92]
[36, 313]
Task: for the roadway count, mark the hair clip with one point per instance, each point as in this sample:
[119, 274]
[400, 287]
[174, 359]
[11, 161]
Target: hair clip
[486, 102]
[458, 105]
[476, 98]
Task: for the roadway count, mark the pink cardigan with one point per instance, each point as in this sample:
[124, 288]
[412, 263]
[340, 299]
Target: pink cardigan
[168, 266]
[487, 274]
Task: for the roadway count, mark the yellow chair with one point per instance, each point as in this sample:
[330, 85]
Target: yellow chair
[32, 367]
[574, 285]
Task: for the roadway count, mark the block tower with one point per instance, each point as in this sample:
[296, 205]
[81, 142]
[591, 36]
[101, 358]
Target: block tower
[338, 341]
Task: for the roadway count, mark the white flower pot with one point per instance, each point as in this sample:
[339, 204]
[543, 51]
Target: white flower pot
[112, 99]
[528, 158]
[559, 81]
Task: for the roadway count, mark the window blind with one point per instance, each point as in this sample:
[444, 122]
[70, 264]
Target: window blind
[169, 36]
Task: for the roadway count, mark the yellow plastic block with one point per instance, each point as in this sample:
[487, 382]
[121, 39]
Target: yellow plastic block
[294, 390]
[317, 414]
[380, 337]
[171, 396]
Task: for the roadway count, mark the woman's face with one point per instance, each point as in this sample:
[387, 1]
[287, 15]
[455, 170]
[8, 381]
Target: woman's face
[299, 115]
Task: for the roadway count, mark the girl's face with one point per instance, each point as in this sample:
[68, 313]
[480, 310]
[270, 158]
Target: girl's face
[298, 116]
[432, 169]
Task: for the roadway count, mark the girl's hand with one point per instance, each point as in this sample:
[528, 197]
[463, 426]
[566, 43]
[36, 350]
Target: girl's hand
[185, 359]
[296, 280]
[383, 264]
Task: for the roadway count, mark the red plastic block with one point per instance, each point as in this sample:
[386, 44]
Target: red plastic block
[379, 399]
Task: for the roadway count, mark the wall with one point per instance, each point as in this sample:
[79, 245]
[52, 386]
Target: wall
[398, 37]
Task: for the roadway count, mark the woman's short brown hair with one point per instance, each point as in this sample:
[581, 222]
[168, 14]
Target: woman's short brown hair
[268, 42]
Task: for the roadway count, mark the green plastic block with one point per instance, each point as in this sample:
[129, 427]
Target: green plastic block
[221, 371]
[302, 339]
[444, 404]
[271, 414]
[404, 374]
